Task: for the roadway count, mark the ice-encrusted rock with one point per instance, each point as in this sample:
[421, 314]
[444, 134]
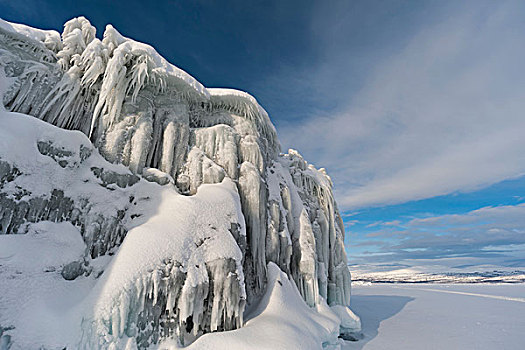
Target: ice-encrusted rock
[73, 270]
[155, 175]
[140, 111]
[5, 339]
[175, 275]
[350, 326]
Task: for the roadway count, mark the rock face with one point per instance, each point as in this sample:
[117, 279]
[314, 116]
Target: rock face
[177, 138]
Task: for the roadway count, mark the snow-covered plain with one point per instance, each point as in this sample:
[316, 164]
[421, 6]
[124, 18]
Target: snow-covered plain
[440, 316]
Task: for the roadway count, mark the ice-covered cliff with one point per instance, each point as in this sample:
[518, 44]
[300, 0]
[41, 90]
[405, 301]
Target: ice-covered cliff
[163, 207]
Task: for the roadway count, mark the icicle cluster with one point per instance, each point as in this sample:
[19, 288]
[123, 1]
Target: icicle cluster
[149, 115]
[171, 302]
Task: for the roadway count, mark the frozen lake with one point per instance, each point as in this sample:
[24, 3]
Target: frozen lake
[437, 316]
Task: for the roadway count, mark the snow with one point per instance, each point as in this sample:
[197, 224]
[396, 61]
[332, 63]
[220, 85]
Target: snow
[34, 299]
[446, 316]
[41, 243]
[50, 38]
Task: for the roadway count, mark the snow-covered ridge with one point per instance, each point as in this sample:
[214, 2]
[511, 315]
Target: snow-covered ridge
[179, 193]
[84, 56]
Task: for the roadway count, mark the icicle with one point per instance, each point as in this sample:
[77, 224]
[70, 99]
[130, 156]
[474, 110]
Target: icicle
[93, 60]
[78, 33]
[139, 76]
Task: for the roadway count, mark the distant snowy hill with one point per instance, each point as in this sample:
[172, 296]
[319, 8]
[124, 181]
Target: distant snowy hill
[139, 209]
[364, 274]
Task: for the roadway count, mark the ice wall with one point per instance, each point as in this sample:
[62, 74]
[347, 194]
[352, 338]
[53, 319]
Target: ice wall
[141, 111]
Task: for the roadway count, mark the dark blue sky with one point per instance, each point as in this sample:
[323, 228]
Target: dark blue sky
[263, 47]
[414, 107]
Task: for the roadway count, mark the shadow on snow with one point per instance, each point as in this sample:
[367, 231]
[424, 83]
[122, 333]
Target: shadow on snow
[373, 309]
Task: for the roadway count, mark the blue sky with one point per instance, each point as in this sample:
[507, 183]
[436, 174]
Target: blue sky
[416, 108]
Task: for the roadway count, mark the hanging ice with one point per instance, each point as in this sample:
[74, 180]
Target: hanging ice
[189, 202]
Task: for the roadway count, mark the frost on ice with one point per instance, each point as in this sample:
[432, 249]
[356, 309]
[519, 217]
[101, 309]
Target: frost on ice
[180, 193]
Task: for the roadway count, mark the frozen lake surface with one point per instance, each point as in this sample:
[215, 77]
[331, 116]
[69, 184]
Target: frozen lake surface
[440, 316]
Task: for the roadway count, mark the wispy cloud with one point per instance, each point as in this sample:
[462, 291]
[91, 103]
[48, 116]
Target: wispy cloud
[382, 223]
[495, 234]
[442, 114]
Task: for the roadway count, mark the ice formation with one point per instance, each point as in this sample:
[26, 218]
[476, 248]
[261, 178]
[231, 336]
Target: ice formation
[180, 193]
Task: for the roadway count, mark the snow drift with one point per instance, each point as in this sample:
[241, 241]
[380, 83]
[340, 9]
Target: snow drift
[168, 207]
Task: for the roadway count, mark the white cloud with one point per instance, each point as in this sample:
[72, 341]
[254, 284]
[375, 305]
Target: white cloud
[508, 216]
[445, 114]
[491, 234]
